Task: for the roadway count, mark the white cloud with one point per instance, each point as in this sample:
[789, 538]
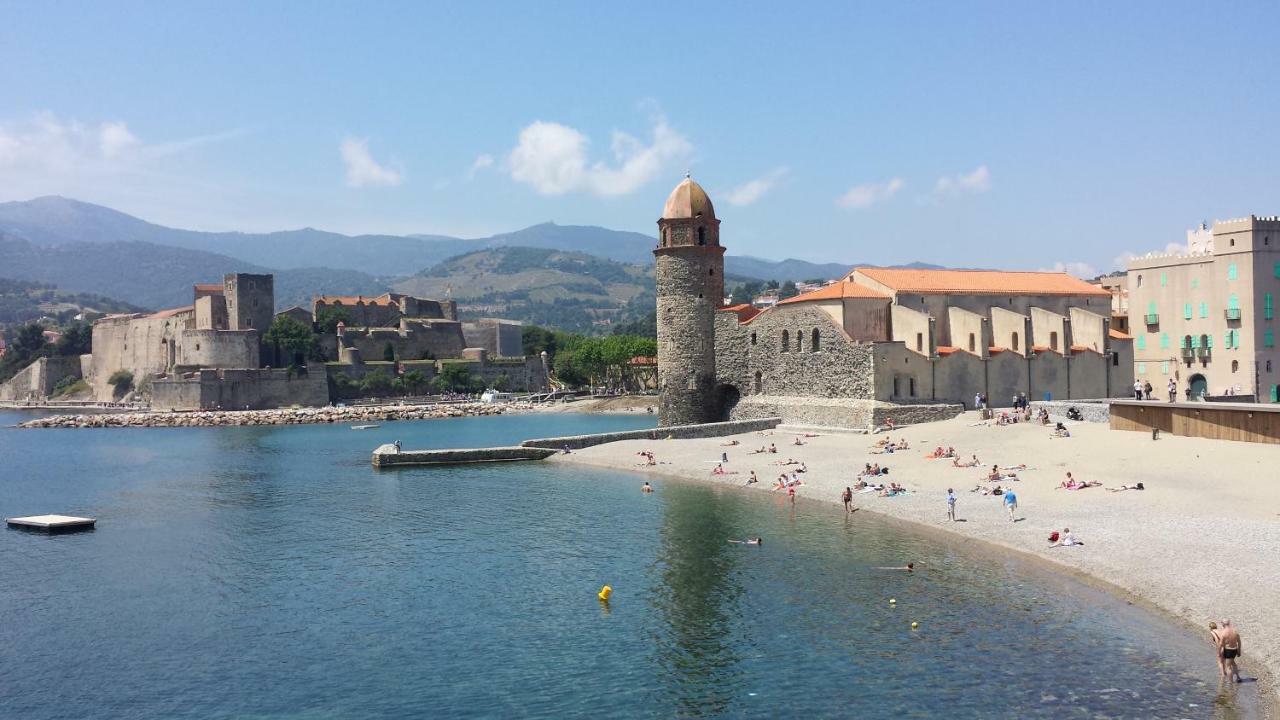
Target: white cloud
[114, 139]
[552, 158]
[1078, 269]
[362, 171]
[976, 182]
[483, 161]
[864, 196]
[752, 190]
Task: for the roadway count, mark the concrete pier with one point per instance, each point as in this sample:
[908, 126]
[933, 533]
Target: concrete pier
[389, 456]
[52, 523]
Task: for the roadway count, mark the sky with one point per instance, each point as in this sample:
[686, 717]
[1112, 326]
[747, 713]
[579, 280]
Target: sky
[1010, 135]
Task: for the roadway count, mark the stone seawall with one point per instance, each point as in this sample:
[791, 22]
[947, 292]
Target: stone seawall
[842, 412]
[297, 416]
[1098, 411]
[389, 456]
[733, 427]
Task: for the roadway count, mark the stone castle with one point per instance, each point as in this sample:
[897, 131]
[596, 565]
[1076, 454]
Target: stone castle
[210, 354]
[880, 343]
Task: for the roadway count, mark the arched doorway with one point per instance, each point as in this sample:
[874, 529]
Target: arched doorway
[727, 397]
[1199, 386]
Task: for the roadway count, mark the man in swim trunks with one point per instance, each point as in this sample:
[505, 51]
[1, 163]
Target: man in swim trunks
[647, 488]
[1011, 502]
[847, 497]
[1229, 642]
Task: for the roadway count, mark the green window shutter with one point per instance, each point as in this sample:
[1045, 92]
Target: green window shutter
[1151, 308]
[1186, 311]
[1231, 271]
[1233, 302]
[1268, 339]
[1142, 368]
[1208, 341]
[1164, 279]
[1277, 269]
[1195, 283]
[1195, 341]
[1204, 310]
[1142, 341]
[1164, 341]
[1275, 393]
[1164, 368]
[1268, 309]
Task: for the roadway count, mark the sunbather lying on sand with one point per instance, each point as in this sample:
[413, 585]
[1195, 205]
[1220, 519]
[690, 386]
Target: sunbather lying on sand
[1122, 488]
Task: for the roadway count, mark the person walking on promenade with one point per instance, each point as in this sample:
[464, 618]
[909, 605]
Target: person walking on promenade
[951, 505]
[1173, 390]
[1137, 389]
[977, 401]
[1146, 389]
[1011, 503]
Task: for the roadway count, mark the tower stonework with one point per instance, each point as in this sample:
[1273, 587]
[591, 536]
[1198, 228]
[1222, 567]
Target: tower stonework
[689, 269]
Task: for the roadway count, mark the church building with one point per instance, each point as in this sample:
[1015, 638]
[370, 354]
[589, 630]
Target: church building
[907, 344]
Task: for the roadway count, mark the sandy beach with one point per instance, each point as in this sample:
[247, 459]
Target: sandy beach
[1201, 542]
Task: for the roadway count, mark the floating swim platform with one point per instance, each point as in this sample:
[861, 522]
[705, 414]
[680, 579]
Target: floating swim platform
[364, 427]
[389, 456]
[52, 523]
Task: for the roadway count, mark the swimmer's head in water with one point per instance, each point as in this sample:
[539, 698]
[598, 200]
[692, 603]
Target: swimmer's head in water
[910, 566]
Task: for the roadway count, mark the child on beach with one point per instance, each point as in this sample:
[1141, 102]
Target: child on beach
[951, 505]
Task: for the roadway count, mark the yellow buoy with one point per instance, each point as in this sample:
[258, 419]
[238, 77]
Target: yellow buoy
[915, 625]
[604, 593]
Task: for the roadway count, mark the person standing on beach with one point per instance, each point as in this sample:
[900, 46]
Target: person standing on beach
[1011, 502]
[791, 493]
[847, 497]
[951, 505]
[1231, 648]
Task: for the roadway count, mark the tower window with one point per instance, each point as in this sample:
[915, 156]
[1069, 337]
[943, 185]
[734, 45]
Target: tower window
[712, 272]
[702, 236]
[759, 383]
[1013, 341]
[973, 343]
[920, 342]
[1053, 340]
[786, 341]
[1235, 366]
[753, 338]
[817, 341]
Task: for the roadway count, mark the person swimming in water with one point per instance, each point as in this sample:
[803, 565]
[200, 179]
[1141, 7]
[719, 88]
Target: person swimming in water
[749, 541]
[647, 488]
[909, 567]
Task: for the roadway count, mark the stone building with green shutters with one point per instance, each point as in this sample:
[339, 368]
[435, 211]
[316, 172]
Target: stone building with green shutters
[1206, 318]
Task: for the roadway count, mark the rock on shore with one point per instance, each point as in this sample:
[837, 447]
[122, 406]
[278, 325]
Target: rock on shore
[290, 416]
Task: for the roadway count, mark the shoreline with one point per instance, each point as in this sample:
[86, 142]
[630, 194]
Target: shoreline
[1185, 598]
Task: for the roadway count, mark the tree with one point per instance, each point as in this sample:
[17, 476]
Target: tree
[77, 339]
[295, 338]
[389, 352]
[375, 383]
[771, 285]
[122, 381]
[746, 293]
[415, 381]
[788, 290]
[329, 317]
[456, 377]
[27, 345]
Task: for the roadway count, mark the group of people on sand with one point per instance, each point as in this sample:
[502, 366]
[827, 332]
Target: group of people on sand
[940, 453]
[1007, 474]
[771, 449]
[648, 458]
[873, 470]
[1227, 643]
[719, 470]
[1073, 484]
[885, 446]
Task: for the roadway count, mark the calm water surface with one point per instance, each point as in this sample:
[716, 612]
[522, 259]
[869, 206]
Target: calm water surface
[272, 573]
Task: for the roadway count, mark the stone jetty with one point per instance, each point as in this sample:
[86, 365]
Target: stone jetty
[288, 416]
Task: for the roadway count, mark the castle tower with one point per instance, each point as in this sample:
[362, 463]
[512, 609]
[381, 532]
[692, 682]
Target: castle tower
[251, 301]
[689, 268]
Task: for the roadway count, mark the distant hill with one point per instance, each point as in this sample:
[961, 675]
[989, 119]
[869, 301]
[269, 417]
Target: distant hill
[158, 276]
[22, 301]
[569, 290]
[55, 221]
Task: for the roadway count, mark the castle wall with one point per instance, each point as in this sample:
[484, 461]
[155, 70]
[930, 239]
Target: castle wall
[250, 301]
[211, 312]
[235, 389]
[143, 345]
[217, 348]
[866, 319]
[36, 381]
[1010, 330]
[412, 340]
[501, 338]
[1087, 373]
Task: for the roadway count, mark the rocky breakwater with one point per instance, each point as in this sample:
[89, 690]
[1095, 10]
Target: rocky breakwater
[294, 416]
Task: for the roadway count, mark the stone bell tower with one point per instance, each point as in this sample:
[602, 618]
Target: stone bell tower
[689, 268]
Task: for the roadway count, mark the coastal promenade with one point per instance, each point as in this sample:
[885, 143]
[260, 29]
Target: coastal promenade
[1199, 543]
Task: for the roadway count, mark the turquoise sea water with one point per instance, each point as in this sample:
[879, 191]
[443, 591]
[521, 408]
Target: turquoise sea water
[270, 572]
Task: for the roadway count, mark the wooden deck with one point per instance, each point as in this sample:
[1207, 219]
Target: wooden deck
[1245, 422]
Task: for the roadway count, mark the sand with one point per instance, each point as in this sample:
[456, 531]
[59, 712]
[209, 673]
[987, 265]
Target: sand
[1201, 542]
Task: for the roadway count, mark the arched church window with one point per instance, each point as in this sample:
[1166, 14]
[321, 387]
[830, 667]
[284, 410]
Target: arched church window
[817, 341]
[786, 341]
[712, 272]
[753, 338]
[664, 237]
[1053, 340]
[702, 236]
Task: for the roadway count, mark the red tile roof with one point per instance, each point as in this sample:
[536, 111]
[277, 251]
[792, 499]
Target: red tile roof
[837, 291]
[980, 282]
[384, 299]
[745, 311]
[173, 311]
[210, 287]
[946, 349]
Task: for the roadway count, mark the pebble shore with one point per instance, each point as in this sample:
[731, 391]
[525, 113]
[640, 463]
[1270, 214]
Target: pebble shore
[293, 416]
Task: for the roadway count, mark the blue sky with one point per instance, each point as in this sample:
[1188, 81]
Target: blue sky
[1015, 135]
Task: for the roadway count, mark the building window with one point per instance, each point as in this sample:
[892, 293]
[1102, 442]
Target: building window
[1140, 278]
[1186, 311]
[1268, 339]
[1053, 340]
[1142, 368]
[1268, 366]
[786, 341]
[255, 302]
[712, 272]
[249, 321]
[1204, 310]
[911, 383]
[1115, 359]
[664, 237]
[973, 343]
[1268, 307]
[895, 386]
[759, 382]
[1164, 279]
[816, 345]
[1232, 242]
[197, 346]
[1164, 368]
[1231, 271]
[1142, 342]
[702, 236]
[1194, 283]
[1013, 341]
[1164, 341]
[1235, 366]
[253, 285]
[753, 338]
[920, 342]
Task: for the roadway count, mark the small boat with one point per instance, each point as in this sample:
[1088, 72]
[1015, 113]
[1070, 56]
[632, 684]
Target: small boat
[364, 427]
